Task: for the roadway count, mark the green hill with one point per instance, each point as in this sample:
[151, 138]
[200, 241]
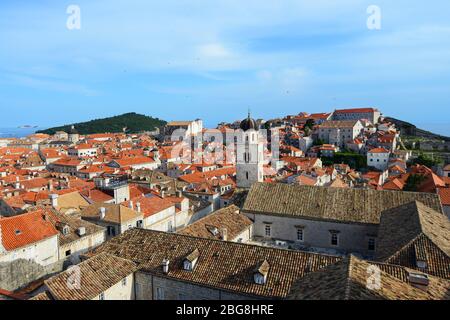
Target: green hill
[132, 121]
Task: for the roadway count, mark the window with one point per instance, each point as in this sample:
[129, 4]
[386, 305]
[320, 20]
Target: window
[159, 293]
[68, 253]
[334, 239]
[299, 234]
[259, 278]
[246, 175]
[101, 296]
[111, 231]
[268, 230]
[371, 244]
[124, 282]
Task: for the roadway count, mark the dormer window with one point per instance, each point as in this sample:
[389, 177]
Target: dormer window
[421, 257]
[66, 230]
[421, 264]
[191, 260]
[261, 273]
[213, 230]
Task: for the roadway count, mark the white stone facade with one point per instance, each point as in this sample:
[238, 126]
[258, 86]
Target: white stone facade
[44, 252]
[378, 160]
[250, 159]
[315, 234]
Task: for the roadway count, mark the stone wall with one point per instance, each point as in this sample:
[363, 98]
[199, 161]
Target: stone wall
[352, 237]
[147, 287]
[19, 273]
[447, 211]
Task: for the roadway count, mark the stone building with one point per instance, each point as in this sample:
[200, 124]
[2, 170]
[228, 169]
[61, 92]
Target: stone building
[104, 277]
[250, 155]
[226, 224]
[378, 158]
[371, 114]
[180, 267]
[150, 265]
[337, 220]
[115, 218]
[73, 135]
[348, 280]
[29, 236]
[340, 132]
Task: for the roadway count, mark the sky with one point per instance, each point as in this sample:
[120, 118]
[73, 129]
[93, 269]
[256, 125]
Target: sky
[215, 59]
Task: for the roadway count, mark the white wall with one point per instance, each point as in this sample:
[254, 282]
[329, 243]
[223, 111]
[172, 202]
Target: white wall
[44, 252]
[120, 291]
[81, 246]
[378, 160]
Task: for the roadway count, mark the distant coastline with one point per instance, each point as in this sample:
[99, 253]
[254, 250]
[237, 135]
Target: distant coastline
[18, 132]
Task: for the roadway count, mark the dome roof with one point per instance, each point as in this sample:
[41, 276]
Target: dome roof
[73, 130]
[249, 124]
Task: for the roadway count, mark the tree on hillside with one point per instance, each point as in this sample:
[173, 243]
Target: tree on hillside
[425, 160]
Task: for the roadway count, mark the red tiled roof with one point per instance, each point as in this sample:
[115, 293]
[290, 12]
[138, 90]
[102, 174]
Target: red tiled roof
[97, 195]
[444, 194]
[151, 205]
[394, 184]
[68, 162]
[358, 110]
[25, 229]
[133, 161]
[379, 150]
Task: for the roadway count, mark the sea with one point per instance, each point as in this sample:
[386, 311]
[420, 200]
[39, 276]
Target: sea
[18, 132]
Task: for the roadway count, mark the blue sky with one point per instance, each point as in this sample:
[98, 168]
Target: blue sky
[214, 59]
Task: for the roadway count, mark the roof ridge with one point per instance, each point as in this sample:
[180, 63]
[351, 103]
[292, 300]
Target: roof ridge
[348, 279]
[396, 253]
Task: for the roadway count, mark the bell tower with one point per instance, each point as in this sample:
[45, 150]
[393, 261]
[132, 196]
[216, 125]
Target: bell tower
[250, 155]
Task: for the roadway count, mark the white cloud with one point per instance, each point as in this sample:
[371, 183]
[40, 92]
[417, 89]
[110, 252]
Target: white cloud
[214, 51]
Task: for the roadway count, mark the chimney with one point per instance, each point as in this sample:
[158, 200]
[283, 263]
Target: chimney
[81, 231]
[179, 194]
[131, 205]
[138, 207]
[224, 234]
[163, 194]
[54, 200]
[165, 265]
[102, 213]
[50, 185]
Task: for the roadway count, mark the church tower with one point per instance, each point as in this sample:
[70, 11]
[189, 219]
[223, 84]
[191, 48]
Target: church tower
[74, 136]
[250, 155]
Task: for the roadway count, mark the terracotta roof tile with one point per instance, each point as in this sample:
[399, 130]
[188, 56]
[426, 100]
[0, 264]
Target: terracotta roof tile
[228, 218]
[348, 279]
[25, 229]
[224, 265]
[336, 204]
[412, 233]
[97, 275]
